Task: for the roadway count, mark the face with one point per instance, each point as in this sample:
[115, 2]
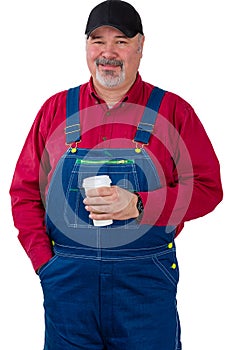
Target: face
[112, 58]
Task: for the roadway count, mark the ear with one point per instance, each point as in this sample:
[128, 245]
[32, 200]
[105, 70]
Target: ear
[141, 40]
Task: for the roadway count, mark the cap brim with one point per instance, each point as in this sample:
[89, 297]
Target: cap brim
[128, 33]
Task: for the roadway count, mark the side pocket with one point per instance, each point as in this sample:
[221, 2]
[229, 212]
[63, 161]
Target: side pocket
[168, 265]
[47, 266]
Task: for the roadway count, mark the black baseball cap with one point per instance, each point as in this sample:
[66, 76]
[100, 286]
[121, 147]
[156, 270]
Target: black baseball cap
[117, 14]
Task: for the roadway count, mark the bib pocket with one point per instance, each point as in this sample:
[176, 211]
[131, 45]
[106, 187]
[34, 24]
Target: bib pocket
[122, 173]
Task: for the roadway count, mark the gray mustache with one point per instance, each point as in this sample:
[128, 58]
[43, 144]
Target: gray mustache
[105, 61]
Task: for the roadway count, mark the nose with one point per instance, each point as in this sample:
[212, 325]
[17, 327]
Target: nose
[109, 51]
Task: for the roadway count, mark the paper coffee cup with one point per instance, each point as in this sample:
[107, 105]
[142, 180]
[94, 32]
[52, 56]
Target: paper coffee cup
[95, 182]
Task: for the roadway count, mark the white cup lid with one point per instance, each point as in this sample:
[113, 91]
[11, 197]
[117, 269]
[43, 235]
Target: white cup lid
[97, 181]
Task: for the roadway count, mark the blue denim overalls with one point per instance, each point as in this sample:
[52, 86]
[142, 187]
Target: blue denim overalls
[111, 287]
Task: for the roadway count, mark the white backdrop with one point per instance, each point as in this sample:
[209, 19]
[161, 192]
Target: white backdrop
[188, 50]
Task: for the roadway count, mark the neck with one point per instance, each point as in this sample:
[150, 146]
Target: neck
[110, 96]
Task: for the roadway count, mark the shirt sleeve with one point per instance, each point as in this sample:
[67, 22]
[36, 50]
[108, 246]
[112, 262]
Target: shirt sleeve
[195, 189]
[27, 193]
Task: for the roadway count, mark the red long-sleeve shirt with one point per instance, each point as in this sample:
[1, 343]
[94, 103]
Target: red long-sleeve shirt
[186, 162]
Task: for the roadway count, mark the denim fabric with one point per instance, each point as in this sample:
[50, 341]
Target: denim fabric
[125, 301]
[66, 214]
[108, 288]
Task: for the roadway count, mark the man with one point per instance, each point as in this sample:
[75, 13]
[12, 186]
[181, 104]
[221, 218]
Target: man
[112, 287]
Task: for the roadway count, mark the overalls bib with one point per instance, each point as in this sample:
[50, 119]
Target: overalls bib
[110, 287]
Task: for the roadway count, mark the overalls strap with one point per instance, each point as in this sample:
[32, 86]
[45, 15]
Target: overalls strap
[146, 125]
[72, 129]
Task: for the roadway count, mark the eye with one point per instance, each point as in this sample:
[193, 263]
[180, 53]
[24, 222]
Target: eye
[122, 42]
[98, 42]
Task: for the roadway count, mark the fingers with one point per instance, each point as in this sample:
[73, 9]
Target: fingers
[111, 203]
[99, 209]
[101, 196]
[100, 200]
[103, 216]
[101, 192]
